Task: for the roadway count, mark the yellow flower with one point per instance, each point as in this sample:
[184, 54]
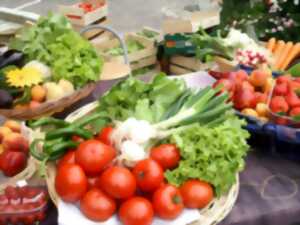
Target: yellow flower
[23, 77]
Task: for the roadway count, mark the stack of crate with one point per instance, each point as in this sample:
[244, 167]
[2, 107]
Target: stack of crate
[85, 13]
[139, 59]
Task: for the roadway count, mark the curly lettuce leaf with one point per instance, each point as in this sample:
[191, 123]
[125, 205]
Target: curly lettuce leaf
[214, 155]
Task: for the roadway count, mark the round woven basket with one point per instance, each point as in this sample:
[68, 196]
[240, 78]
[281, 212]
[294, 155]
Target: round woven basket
[49, 108]
[214, 213]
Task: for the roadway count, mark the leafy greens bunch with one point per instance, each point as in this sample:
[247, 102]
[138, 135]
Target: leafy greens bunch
[53, 41]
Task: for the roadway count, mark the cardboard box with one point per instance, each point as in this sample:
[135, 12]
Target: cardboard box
[192, 22]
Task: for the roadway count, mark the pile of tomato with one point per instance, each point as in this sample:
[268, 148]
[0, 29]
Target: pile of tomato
[90, 176]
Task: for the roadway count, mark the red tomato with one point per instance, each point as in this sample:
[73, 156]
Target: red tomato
[279, 105]
[118, 182]
[97, 206]
[294, 86]
[244, 99]
[93, 156]
[295, 111]
[136, 211]
[167, 155]
[71, 183]
[245, 85]
[12, 163]
[196, 194]
[167, 202]
[105, 135]
[281, 89]
[69, 158]
[148, 174]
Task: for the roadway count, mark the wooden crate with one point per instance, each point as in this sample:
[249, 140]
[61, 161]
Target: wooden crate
[182, 65]
[205, 19]
[139, 59]
[157, 38]
[77, 16]
[95, 33]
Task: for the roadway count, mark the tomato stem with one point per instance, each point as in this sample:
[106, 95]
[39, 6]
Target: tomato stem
[176, 199]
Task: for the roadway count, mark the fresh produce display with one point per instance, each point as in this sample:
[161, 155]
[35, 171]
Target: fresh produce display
[284, 52]
[249, 93]
[285, 101]
[53, 60]
[68, 55]
[23, 205]
[236, 46]
[143, 151]
[14, 149]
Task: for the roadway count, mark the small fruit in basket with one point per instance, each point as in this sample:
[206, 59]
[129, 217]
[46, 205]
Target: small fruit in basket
[245, 85]
[15, 142]
[38, 93]
[136, 211]
[97, 206]
[284, 79]
[292, 99]
[279, 105]
[281, 89]
[295, 112]
[13, 125]
[12, 163]
[258, 78]
[249, 112]
[260, 97]
[67, 86]
[238, 76]
[93, 156]
[71, 183]
[267, 88]
[34, 104]
[167, 155]
[262, 109]
[118, 182]
[168, 202]
[244, 98]
[4, 131]
[148, 174]
[21, 106]
[196, 194]
[294, 86]
[54, 91]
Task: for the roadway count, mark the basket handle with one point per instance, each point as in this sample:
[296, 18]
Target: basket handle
[115, 33]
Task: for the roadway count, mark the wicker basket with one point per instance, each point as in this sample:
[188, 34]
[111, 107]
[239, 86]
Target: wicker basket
[49, 108]
[211, 215]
